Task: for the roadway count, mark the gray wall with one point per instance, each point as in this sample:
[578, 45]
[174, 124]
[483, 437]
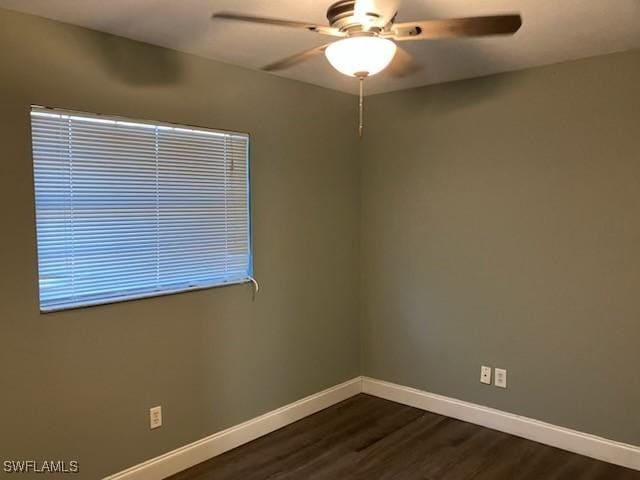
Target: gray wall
[501, 227]
[78, 384]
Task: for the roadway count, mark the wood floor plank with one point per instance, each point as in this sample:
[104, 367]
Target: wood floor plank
[368, 438]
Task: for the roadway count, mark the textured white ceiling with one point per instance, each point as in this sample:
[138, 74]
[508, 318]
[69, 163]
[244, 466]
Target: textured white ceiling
[553, 31]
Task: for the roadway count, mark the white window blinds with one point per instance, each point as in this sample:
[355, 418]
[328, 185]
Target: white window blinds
[129, 209]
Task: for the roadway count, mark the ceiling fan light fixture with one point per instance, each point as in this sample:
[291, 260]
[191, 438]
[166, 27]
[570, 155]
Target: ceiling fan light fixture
[361, 56]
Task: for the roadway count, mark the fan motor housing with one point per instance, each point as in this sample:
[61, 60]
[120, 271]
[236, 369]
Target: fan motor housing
[341, 16]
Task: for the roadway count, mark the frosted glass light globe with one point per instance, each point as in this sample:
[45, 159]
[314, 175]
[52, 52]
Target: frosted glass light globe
[361, 56]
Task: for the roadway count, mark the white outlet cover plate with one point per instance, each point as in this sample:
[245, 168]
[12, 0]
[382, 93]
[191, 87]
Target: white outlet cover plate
[485, 375]
[501, 378]
[155, 417]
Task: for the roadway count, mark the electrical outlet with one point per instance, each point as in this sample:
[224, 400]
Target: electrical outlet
[501, 378]
[485, 375]
[155, 417]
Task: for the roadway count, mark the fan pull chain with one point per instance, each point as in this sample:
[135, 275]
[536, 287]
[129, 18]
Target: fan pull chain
[361, 126]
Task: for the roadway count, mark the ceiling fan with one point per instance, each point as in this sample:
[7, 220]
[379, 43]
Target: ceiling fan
[368, 33]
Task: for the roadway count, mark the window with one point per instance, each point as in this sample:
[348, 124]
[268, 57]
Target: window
[128, 209]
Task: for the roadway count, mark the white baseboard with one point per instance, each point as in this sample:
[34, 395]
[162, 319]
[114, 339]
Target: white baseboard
[218, 443]
[571, 440]
[559, 437]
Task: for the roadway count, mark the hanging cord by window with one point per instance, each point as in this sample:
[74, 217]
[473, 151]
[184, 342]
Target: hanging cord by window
[255, 287]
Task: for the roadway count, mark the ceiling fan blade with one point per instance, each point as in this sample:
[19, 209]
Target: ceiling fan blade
[313, 27]
[295, 59]
[381, 12]
[402, 64]
[457, 27]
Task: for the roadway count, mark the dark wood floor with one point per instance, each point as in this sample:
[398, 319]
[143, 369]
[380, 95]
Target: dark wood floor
[367, 438]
